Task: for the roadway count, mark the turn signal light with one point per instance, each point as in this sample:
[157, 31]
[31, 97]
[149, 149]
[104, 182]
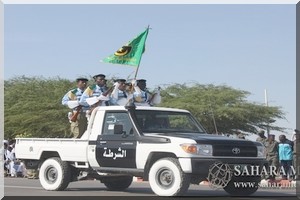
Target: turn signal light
[189, 148]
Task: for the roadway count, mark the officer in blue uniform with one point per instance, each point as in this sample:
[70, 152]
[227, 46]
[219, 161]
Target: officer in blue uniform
[95, 95]
[119, 95]
[71, 99]
[141, 95]
[95, 90]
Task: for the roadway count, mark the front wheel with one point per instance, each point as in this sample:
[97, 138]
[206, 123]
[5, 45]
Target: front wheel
[241, 188]
[118, 183]
[54, 174]
[166, 178]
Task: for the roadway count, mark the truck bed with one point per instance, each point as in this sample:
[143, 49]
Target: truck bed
[69, 149]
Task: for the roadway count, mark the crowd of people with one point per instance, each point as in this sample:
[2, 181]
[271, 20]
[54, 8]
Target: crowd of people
[83, 99]
[282, 154]
[12, 166]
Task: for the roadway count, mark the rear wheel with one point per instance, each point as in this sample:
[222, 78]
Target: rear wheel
[54, 174]
[118, 183]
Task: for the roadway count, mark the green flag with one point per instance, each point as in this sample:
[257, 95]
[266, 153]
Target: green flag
[130, 53]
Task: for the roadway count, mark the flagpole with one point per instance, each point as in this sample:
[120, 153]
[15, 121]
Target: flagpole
[137, 69]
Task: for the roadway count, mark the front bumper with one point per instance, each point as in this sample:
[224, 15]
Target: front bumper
[201, 166]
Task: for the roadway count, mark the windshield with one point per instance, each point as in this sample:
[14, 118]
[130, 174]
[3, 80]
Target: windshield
[167, 122]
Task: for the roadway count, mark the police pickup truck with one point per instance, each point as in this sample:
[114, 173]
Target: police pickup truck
[164, 146]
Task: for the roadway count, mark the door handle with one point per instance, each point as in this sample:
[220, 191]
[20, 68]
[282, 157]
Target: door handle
[102, 142]
[127, 143]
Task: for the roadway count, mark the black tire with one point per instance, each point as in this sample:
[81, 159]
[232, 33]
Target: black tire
[118, 183]
[166, 178]
[54, 174]
[246, 190]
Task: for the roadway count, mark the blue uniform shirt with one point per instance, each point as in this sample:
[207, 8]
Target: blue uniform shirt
[73, 95]
[121, 95]
[144, 95]
[285, 150]
[91, 91]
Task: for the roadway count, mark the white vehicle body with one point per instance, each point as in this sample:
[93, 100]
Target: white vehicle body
[119, 142]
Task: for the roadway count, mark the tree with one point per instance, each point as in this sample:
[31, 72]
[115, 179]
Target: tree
[32, 107]
[225, 106]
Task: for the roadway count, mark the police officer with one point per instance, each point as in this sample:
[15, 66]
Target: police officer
[119, 95]
[272, 154]
[95, 95]
[261, 137]
[142, 96]
[77, 116]
[296, 153]
[96, 90]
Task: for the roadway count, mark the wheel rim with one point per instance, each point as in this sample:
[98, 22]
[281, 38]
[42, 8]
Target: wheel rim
[165, 178]
[51, 174]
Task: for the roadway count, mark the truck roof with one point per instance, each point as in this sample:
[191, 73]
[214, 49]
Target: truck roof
[142, 108]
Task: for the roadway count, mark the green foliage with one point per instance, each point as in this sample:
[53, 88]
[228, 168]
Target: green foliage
[32, 107]
[227, 106]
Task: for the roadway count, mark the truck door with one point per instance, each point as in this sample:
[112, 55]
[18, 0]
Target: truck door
[116, 146]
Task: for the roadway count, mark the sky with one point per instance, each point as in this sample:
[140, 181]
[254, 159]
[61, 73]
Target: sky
[247, 47]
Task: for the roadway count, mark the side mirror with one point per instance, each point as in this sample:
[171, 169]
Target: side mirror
[118, 129]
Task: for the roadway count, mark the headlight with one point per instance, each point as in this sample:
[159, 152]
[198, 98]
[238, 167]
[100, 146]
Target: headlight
[200, 149]
[261, 152]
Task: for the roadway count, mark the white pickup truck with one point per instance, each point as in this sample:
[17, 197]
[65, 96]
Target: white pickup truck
[164, 146]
